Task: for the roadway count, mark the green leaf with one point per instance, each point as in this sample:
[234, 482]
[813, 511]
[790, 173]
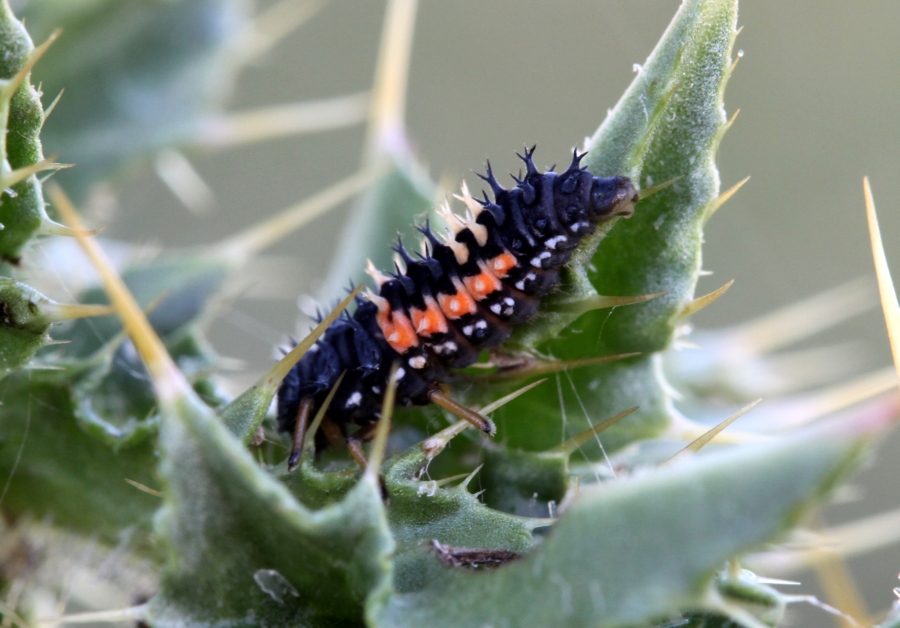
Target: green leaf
[609, 561]
[667, 125]
[138, 76]
[242, 550]
[53, 468]
[23, 324]
[21, 116]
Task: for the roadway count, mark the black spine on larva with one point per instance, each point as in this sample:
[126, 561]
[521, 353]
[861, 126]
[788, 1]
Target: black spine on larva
[487, 276]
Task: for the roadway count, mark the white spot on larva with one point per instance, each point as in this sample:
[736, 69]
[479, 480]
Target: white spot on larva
[417, 362]
[481, 325]
[393, 337]
[580, 226]
[468, 329]
[496, 308]
[399, 374]
[353, 400]
[520, 284]
[552, 242]
[498, 264]
[509, 301]
[376, 390]
[530, 277]
[479, 285]
[454, 305]
[509, 311]
[536, 261]
[446, 348]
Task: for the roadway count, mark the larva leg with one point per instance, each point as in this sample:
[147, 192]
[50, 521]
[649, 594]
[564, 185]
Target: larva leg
[304, 411]
[437, 396]
[333, 434]
[355, 442]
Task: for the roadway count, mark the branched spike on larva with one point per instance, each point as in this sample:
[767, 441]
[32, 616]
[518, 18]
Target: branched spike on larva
[491, 180]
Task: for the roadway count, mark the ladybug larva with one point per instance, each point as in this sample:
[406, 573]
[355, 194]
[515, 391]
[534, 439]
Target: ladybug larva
[440, 309]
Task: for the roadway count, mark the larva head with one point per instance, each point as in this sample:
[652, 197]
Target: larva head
[613, 196]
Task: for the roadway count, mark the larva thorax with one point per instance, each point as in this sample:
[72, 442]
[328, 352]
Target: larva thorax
[440, 309]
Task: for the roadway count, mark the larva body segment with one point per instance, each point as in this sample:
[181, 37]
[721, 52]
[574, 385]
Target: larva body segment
[463, 296]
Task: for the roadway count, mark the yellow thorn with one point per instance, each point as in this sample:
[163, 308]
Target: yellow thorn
[659, 187]
[242, 246]
[599, 302]
[701, 302]
[309, 439]
[170, 384]
[232, 129]
[885, 283]
[857, 537]
[179, 175]
[49, 227]
[840, 589]
[66, 312]
[576, 442]
[721, 199]
[376, 456]
[547, 367]
[21, 174]
[699, 443]
[131, 614]
[272, 25]
[452, 478]
[52, 106]
[144, 488]
[728, 124]
[434, 445]
[273, 378]
[502, 401]
[471, 476]
[391, 76]
[10, 86]
[840, 397]
[802, 319]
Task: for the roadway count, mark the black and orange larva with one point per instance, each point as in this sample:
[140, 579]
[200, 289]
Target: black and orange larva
[463, 295]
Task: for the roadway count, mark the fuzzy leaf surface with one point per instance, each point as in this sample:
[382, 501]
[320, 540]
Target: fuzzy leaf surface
[243, 551]
[21, 116]
[54, 468]
[608, 561]
[667, 125]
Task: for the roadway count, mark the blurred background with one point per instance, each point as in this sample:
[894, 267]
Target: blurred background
[818, 86]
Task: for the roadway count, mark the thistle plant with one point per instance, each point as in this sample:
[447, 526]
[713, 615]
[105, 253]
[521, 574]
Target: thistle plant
[117, 429]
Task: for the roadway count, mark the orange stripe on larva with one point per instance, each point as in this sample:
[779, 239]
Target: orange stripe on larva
[431, 320]
[403, 336]
[482, 284]
[396, 328]
[459, 304]
[502, 264]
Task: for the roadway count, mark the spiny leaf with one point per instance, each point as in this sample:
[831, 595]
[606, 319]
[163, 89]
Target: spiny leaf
[667, 125]
[21, 117]
[712, 507]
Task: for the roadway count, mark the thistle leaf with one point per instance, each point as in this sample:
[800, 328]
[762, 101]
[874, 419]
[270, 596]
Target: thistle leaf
[667, 125]
[241, 549]
[602, 564]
